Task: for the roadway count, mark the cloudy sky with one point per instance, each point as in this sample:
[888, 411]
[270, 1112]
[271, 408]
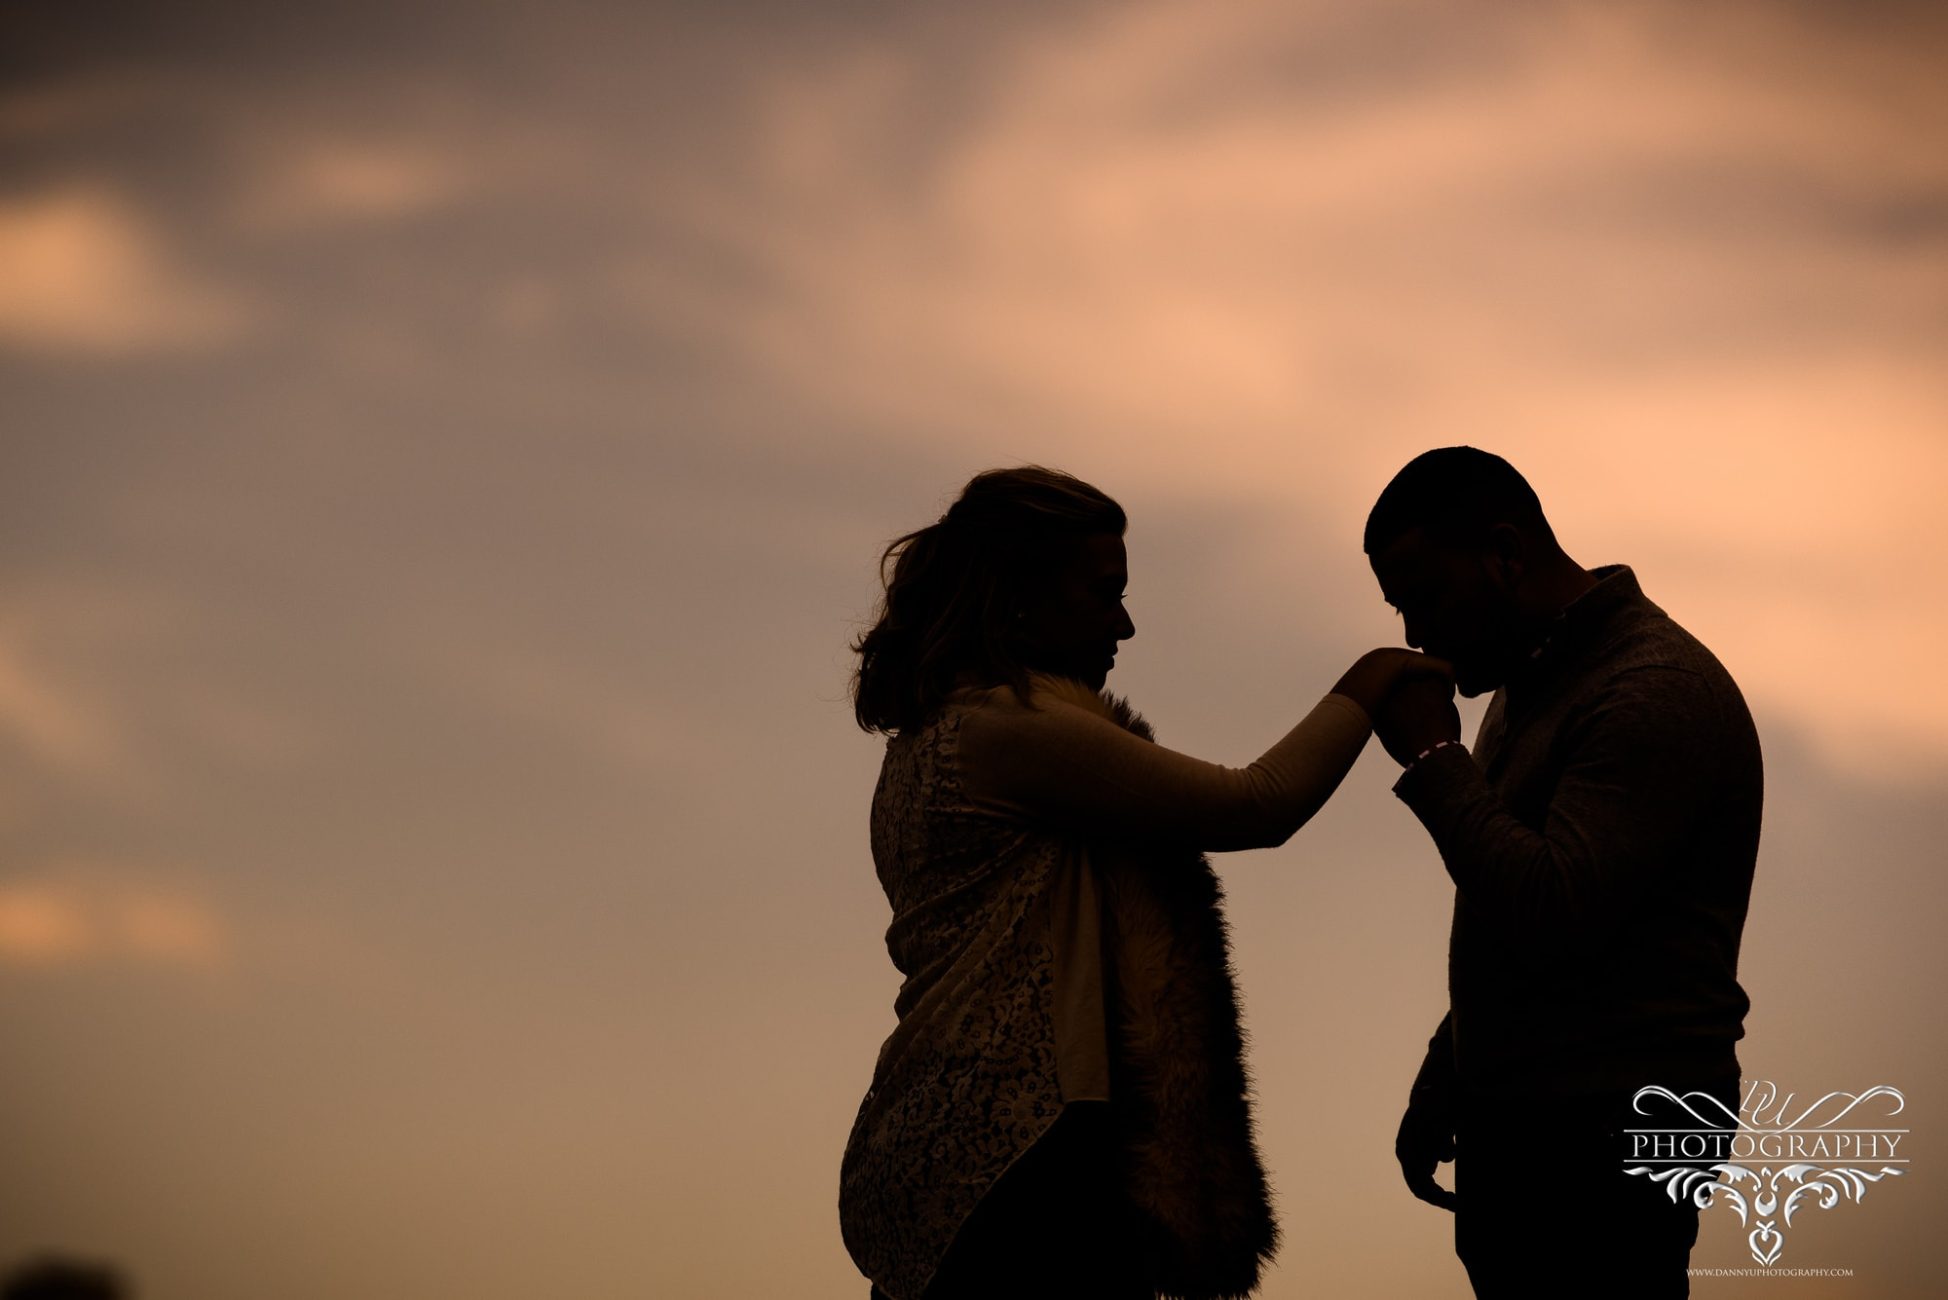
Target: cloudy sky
[444, 458]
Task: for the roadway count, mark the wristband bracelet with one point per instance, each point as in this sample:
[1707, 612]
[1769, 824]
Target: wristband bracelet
[1439, 744]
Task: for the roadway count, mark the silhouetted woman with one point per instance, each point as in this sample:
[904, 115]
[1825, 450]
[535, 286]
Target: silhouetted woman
[1062, 1109]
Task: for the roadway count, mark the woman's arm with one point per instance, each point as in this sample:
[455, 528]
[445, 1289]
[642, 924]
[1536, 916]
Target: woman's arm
[1070, 767]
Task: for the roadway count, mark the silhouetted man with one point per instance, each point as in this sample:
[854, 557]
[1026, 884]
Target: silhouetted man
[1601, 838]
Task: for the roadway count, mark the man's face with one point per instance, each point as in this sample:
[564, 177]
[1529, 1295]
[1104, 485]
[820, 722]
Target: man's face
[1453, 607]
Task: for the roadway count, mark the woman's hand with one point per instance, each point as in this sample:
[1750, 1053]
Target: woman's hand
[1379, 673]
[1416, 715]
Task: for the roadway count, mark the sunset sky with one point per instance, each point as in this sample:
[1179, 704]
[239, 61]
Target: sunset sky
[445, 458]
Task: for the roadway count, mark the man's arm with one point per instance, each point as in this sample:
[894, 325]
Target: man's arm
[1426, 1136]
[1641, 763]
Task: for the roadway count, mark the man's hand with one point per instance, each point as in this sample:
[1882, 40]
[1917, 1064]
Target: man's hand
[1426, 1140]
[1417, 714]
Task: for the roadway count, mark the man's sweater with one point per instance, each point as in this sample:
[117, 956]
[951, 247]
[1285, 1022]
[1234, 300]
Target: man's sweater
[1601, 838]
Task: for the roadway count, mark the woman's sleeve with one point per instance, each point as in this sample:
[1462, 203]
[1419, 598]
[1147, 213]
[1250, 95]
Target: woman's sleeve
[1065, 765]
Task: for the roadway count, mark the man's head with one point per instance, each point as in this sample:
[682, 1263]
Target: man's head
[1461, 549]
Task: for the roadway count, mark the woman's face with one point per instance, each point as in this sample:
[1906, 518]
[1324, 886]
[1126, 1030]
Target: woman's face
[1072, 622]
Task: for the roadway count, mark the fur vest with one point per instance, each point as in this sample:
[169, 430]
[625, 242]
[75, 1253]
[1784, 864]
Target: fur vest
[1179, 1085]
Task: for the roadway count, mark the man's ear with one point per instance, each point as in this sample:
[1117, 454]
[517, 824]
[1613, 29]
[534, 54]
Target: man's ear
[1505, 556]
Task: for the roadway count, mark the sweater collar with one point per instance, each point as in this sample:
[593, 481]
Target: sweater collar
[1584, 620]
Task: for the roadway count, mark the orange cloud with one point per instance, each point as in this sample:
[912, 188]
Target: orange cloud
[80, 272]
[66, 923]
[328, 181]
[43, 926]
[58, 727]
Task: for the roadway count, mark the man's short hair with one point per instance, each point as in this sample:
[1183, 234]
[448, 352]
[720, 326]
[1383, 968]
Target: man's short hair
[1457, 494]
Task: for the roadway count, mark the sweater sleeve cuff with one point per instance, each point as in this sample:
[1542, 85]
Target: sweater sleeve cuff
[1425, 782]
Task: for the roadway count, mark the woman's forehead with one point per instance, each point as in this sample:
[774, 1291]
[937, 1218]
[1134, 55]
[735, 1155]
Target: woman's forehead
[1103, 554]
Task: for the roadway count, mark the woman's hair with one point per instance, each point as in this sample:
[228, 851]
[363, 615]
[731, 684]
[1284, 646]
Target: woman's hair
[958, 584]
